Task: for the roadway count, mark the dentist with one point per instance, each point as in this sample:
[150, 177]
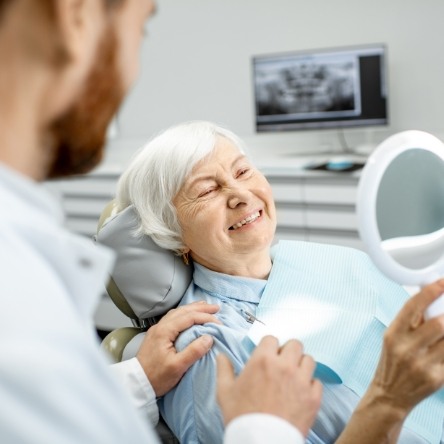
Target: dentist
[66, 65]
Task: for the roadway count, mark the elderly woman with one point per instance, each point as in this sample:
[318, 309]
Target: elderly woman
[197, 194]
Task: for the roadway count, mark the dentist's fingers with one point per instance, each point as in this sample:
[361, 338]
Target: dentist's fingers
[157, 355]
[292, 348]
[193, 352]
[192, 309]
[179, 319]
[272, 382]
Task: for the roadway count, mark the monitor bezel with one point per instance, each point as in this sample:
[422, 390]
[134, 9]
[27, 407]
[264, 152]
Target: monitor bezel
[327, 123]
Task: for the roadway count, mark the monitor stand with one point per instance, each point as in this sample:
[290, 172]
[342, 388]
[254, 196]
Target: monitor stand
[344, 158]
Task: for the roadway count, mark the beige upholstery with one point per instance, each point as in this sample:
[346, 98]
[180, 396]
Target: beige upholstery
[115, 342]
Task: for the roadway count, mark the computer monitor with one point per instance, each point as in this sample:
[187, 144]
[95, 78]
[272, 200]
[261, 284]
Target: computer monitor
[333, 88]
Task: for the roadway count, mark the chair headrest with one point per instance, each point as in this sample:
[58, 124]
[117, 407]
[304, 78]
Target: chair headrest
[151, 279]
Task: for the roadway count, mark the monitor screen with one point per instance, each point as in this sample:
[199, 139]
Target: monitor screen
[332, 88]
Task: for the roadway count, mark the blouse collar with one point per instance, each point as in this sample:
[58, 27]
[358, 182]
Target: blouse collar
[226, 286]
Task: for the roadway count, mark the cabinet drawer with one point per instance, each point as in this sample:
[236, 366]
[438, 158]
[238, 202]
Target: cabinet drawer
[335, 238]
[287, 193]
[330, 193]
[84, 226]
[339, 220]
[104, 187]
[84, 206]
[290, 217]
[290, 234]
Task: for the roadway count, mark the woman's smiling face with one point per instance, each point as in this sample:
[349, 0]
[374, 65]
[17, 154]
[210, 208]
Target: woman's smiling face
[226, 211]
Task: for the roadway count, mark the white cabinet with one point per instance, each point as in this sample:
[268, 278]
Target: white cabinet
[83, 198]
[315, 206]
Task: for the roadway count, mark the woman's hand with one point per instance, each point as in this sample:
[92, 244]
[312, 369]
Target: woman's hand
[411, 366]
[162, 364]
[275, 380]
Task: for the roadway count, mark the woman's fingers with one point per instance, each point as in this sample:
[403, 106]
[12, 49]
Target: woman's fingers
[428, 333]
[411, 315]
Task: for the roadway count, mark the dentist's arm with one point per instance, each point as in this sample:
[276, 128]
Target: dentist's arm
[411, 368]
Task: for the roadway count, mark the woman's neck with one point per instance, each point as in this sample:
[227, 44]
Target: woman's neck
[257, 266]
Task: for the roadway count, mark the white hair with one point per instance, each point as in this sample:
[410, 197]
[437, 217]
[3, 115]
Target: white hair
[157, 173]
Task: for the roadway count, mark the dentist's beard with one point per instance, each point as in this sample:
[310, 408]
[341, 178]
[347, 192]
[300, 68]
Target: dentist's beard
[78, 137]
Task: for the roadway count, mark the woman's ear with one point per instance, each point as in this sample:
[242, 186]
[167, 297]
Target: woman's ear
[186, 256]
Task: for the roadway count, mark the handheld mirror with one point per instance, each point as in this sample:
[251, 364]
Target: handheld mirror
[400, 209]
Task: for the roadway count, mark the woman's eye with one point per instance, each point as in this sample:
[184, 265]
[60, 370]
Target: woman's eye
[206, 192]
[243, 171]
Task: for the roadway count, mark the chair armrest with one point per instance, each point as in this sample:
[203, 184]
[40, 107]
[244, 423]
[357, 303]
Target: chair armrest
[115, 342]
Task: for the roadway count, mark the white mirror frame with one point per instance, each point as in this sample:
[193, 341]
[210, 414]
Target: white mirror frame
[367, 194]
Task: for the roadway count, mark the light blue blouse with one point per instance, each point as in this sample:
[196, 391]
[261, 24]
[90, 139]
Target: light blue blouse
[191, 410]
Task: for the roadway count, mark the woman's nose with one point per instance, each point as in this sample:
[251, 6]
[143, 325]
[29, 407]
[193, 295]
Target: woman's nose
[238, 195]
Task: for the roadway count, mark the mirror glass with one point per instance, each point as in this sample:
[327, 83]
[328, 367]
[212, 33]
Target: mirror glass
[400, 207]
[410, 208]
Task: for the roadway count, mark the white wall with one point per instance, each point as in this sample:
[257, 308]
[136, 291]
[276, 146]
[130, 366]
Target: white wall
[196, 64]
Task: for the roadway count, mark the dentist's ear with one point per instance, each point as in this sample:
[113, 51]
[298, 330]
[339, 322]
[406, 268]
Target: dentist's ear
[81, 23]
[72, 41]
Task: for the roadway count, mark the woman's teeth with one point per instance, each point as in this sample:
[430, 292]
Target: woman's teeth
[247, 220]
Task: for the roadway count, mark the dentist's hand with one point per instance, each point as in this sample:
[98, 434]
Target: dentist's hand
[275, 380]
[162, 364]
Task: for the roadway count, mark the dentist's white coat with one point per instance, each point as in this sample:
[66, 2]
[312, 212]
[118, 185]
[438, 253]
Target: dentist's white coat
[55, 386]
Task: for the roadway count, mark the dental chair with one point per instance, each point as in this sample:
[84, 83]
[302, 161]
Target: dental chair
[146, 282]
